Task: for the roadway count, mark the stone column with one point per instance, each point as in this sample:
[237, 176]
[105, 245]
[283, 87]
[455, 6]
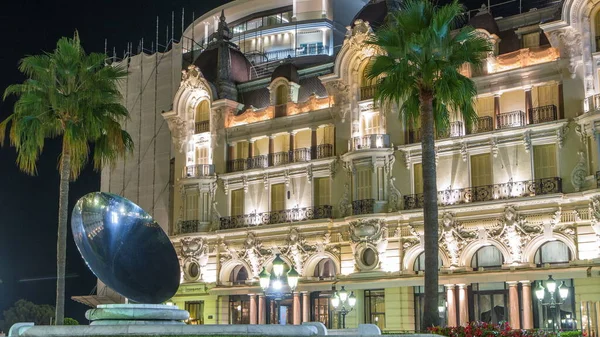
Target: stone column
[292, 146]
[252, 309]
[262, 310]
[463, 305]
[496, 110]
[513, 302]
[271, 150]
[526, 303]
[451, 308]
[305, 307]
[297, 313]
[528, 106]
[313, 143]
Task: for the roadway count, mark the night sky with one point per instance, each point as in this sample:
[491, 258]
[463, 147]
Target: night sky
[29, 205]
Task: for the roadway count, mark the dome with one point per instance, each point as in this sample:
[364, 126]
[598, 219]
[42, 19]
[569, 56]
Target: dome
[376, 11]
[240, 67]
[484, 20]
[286, 70]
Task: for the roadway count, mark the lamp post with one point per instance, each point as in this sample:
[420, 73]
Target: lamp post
[346, 301]
[563, 293]
[274, 284]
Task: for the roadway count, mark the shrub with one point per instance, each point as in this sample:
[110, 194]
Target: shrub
[72, 321]
[483, 329]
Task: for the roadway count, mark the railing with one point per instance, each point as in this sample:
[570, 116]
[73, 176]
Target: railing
[591, 103]
[324, 151]
[369, 142]
[482, 124]
[281, 110]
[367, 92]
[260, 161]
[203, 126]
[282, 54]
[456, 129]
[507, 190]
[302, 154]
[542, 114]
[188, 226]
[279, 158]
[200, 170]
[237, 165]
[365, 206]
[511, 119]
[275, 217]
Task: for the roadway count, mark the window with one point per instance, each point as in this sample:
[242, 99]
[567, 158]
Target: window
[418, 178]
[239, 275]
[531, 40]
[490, 302]
[325, 135]
[544, 161]
[196, 310]
[375, 307]
[237, 202]
[420, 262]
[371, 124]
[241, 150]
[547, 95]
[320, 310]
[322, 191]
[419, 303]
[553, 253]
[481, 170]
[363, 181]
[278, 197]
[561, 317]
[191, 206]
[488, 257]
[281, 95]
[485, 106]
[239, 309]
[202, 155]
[202, 111]
[325, 269]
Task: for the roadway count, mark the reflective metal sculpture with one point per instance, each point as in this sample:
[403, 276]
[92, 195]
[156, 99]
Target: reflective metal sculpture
[125, 248]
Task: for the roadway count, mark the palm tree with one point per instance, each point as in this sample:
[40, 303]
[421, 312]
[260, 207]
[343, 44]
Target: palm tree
[421, 51]
[74, 95]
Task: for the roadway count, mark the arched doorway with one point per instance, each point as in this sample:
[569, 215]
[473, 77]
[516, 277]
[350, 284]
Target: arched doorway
[488, 301]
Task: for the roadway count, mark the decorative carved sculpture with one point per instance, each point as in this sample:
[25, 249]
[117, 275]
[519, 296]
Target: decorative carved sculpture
[454, 237]
[254, 253]
[514, 232]
[595, 218]
[297, 249]
[368, 234]
[579, 172]
[197, 250]
[345, 205]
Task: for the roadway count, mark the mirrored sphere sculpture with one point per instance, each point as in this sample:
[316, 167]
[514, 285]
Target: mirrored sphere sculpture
[125, 248]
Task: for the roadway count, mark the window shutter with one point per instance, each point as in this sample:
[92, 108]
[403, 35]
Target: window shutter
[277, 197]
[531, 40]
[481, 170]
[191, 206]
[237, 202]
[322, 192]
[363, 178]
[544, 161]
[418, 178]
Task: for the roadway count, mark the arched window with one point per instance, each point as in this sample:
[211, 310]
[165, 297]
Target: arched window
[367, 85]
[597, 30]
[325, 269]
[202, 117]
[488, 257]
[281, 95]
[553, 252]
[420, 262]
[239, 275]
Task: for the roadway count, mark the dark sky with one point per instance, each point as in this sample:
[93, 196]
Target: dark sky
[28, 205]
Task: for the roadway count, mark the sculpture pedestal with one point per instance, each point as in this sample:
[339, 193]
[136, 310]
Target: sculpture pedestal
[137, 314]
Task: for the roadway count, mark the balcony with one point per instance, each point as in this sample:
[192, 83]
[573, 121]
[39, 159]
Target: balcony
[260, 161]
[188, 226]
[279, 158]
[301, 155]
[507, 190]
[367, 92]
[543, 114]
[369, 142]
[456, 129]
[305, 154]
[323, 151]
[365, 206]
[276, 217]
[512, 119]
[597, 179]
[203, 126]
[237, 165]
[482, 124]
[199, 171]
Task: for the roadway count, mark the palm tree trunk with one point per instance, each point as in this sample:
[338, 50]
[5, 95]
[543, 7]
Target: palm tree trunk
[61, 245]
[430, 213]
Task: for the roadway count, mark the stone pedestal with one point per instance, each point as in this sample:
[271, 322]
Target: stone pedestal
[128, 314]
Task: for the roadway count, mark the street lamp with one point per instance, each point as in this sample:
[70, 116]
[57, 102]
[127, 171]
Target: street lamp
[563, 293]
[346, 301]
[274, 284]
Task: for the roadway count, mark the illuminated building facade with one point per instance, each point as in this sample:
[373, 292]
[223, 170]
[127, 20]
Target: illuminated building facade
[278, 148]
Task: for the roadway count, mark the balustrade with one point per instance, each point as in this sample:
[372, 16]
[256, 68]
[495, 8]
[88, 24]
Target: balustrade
[511, 119]
[280, 158]
[482, 124]
[489, 192]
[369, 142]
[365, 206]
[275, 217]
[367, 92]
[301, 154]
[324, 151]
[260, 161]
[199, 170]
[203, 126]
[542, 114]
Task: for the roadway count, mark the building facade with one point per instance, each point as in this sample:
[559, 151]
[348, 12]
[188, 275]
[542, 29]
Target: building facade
[278, 148]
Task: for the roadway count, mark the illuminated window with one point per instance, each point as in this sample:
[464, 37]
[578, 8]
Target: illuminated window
[202, 155]
[281, 95]
[544, 161]
[325, 269]
[239, 275]
[363, 181]
[553, 253]
[420, 262]
[322, 191]
[237, 202]
[191, 206]
[375, 307]
[481, 170]
[371, 124]
[418, 178]
[202, 111]
[277, 197]
[196, 310]
[488, 257]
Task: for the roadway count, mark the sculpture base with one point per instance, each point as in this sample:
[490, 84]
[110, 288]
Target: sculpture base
[136, 314]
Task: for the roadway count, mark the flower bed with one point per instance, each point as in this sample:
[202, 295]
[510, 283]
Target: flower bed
[482, 329]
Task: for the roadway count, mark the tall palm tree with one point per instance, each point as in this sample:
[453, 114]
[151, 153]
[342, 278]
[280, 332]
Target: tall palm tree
[422, 50]
[73, 95]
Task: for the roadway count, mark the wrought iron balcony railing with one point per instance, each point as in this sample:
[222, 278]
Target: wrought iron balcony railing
[482, 124]
[198, 171]
[275, 217]
[542, 114]
[507, 190]
[365, 206]
[203, 126]
[369, 142]
[304, 154]
[367, 92]
[188, 226]
[597, 179]
[511, 119]
[237, 165]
